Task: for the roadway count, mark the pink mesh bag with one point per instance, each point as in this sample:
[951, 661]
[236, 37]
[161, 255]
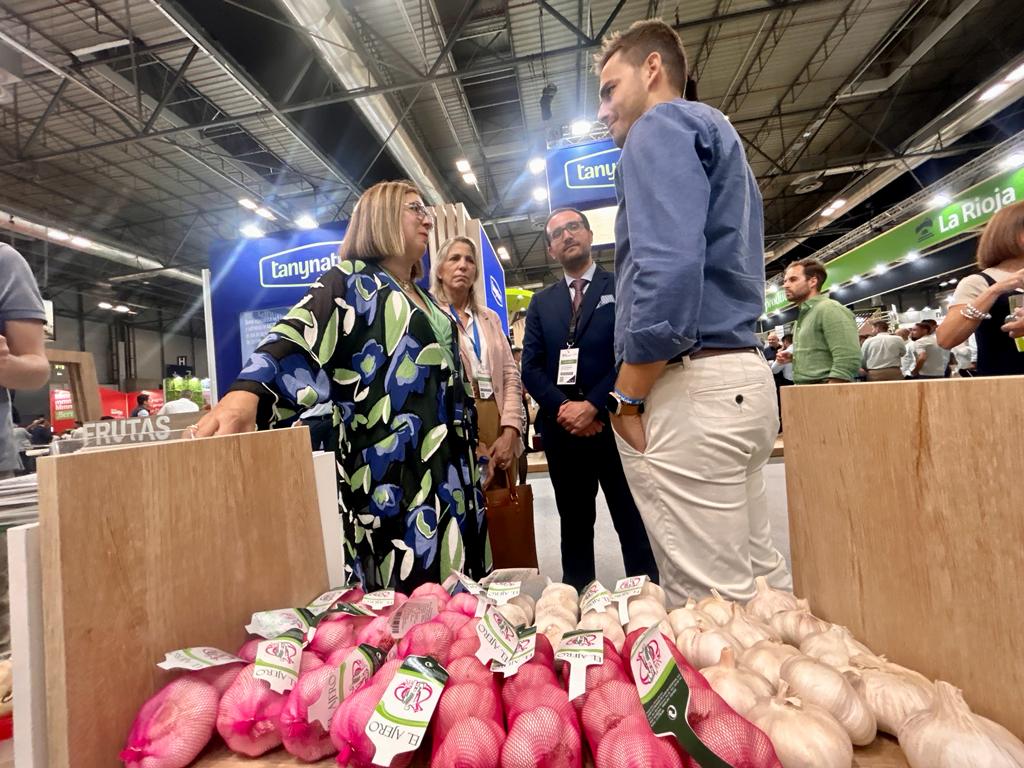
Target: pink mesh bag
[248, 711]
[542, 738]
[430, 639]
[463, 603]
[466, 647]
[632, 744]
[471, 743]
[307, 741]
[332, 634]
[468, 629]
[338, 656]
[529, 676]
[248, 649]
[377, 633]
[606, 707]
[453, 620]
[467, 669]
[432, 590]
[461, 700]
[174, 725]
[730, 736]
[348, 728]
[528, 699]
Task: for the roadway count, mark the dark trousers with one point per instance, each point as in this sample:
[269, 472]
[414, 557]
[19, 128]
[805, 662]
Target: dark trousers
[577, 465]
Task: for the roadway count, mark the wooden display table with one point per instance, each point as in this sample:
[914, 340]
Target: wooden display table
[907, 525]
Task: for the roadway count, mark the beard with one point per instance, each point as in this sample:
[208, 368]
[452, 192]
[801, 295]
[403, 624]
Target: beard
[576, 260]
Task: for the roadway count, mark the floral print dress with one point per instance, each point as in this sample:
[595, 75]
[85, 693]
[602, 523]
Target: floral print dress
[409, 486]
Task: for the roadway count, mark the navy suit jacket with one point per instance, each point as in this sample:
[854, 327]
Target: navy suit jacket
[547, 330]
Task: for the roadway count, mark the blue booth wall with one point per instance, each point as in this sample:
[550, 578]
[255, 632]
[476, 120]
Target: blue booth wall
[583, 175]
[493, 279]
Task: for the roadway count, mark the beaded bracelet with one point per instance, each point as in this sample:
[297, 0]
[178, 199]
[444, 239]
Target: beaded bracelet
[971, 312]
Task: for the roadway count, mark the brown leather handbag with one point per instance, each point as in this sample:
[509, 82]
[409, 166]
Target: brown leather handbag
[510, 524]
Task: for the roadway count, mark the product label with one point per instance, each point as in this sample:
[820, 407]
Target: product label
[351, 609]
[278, 660]
[580, 649]
[383, 598]
[326, 600]
[625, 589]
[400, 720]
[197, 658]
[271, 624]
[469, 584]
[500, 592]
[510, 574]
[595, 598]
[349, 676]
[666, 697]
[498, 638]
[412, 612]
[525, 649]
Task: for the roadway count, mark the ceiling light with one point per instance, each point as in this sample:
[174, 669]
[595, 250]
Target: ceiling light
[503, 253]
[940, 200]
[855, 279]
[266, 213]
[245, 202]
[57, 234]
[807, 134]
[994, 91]
[99, 47]
[580, 128]
[81, 242]
[1015, 76]
[469, 178]
[463, 166]
[540, 194]
[105, 305]
[881, 269]
[1013, 160]
[305, 221]
[953, 280]
[912, 256]
[122, 309]
[839, 203]
[536, 165]
[251, 230]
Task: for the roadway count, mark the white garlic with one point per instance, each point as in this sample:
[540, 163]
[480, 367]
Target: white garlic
[565, 590]
[793, 626]
[646, 605]
[949, 735]
[717, 607]
[766, 659]
[646, 620]
[513, 613]
[892, 692]
[818, 684]
[747, 630]
[828, 647]
[559, 607]
[653, 591]
[703, 645]
[526, 603]
[607, 622]
[687, 616]
[740, 688]
[554, 628]
[804, 736]
[767, 602]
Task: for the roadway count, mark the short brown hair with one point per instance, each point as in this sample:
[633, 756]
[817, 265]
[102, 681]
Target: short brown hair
[882, 325]
[812, 268]
[1001, 239]
[641, 40]
[375, 231]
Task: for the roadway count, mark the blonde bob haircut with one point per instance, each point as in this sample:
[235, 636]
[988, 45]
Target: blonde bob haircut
[375, 229]
[1003, 237]
[443, 254]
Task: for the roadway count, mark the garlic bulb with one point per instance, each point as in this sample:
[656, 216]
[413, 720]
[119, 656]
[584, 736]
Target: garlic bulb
[608, 622]
[740, 688]
[653, 591]
[557, 601]
[749, 631]
[949, 735]
[717, 607]
[892, 692]
[567, 591]
[687, 616]
[767, 602]
[557, 608]
[766, 658]
[703, 645]
[513, 613]
[646, 620]
[793, 626]
[646, 605]
[828, 647]
[804, 736]
[818, 684]
[554, 628]
[526, 603]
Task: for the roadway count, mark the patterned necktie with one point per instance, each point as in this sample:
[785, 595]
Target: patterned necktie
[577, 296]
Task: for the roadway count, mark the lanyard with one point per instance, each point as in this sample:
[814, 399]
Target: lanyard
[476, 332]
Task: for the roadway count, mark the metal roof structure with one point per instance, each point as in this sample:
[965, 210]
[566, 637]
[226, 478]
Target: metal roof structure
[144, 146]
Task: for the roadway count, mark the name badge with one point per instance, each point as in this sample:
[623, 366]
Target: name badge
[485, 385]
[568, 362]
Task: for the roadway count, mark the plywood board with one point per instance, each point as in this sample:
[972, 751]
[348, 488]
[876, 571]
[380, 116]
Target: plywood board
[27, 647]
[906, 525]
[159, 547]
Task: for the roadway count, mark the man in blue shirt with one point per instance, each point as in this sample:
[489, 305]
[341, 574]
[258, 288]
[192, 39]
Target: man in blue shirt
[693, 407]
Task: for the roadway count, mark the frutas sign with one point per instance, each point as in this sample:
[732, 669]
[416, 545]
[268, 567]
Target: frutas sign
[583, 176]
[967, 211]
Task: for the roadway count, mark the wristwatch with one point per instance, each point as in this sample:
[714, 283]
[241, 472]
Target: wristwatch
[619, 405]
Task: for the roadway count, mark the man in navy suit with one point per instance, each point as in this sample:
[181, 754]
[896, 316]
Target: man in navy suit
[569, 369]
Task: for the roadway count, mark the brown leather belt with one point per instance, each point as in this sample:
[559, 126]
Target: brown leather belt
[710, 352]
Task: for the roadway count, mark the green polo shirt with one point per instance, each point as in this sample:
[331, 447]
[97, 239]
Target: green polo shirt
[825, 343]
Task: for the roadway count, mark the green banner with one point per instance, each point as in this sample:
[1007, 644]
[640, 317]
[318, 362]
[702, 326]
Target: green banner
[968, 210]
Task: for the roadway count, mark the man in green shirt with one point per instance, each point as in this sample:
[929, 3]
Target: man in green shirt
[825, 343]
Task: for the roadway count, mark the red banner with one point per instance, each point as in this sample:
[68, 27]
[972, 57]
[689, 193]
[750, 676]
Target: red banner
[62, 411]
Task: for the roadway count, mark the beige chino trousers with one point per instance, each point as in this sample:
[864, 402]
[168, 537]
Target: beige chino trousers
[710, 425]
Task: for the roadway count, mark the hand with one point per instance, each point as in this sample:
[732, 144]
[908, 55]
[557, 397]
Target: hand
[487, 468]
[784, 356]
[502, 451]
[575, 416]
[631, 430]
[1015, 282]
[5, 351]
[1016, 327]
[234, 414]
[596, 426]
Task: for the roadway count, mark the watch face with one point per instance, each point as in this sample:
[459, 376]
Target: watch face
[612, 404]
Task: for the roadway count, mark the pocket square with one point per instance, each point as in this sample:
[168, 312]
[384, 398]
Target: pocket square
[606, 299]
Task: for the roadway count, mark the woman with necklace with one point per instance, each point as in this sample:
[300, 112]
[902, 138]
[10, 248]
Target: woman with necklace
[486, 355]
[372, 343]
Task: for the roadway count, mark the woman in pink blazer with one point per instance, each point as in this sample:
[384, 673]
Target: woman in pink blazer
[485, 351]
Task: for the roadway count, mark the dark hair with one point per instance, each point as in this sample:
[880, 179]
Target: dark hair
[883, 324]
[583, 218]
[141, 399]
[641, 40]
[1001, 239]
[787, 337]
[812, 268]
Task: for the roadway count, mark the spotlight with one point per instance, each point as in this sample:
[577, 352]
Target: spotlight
[580, 128]
[305, 221]
[536, 165]
[122, 309]
[503, 253]
[469, 178]
[57, 234]
[81, 242]
[881, 269]
[855, 279]
[245, 202]
[251, 230]
[463, 166]
[105, 305]
[912, 256]
[540, 194]
[940, 200]
[265, 213]
[1014, 160]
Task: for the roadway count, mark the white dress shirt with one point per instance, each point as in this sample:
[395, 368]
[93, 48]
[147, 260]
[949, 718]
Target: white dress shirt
[587, 277]
[883, 350]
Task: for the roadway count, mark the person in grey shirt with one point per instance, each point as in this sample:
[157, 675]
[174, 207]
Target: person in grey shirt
[932, 360]
[693, 408]
[881, 354]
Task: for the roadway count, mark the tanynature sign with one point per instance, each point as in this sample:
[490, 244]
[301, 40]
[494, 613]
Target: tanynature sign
[583, 176]
[968, 211]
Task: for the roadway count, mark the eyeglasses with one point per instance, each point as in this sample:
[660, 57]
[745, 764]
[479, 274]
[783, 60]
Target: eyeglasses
[420, 210]
[572, 226]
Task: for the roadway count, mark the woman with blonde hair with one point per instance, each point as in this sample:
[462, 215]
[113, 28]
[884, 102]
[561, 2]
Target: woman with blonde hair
[486, 354]
[367, 340]
[981, 302]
